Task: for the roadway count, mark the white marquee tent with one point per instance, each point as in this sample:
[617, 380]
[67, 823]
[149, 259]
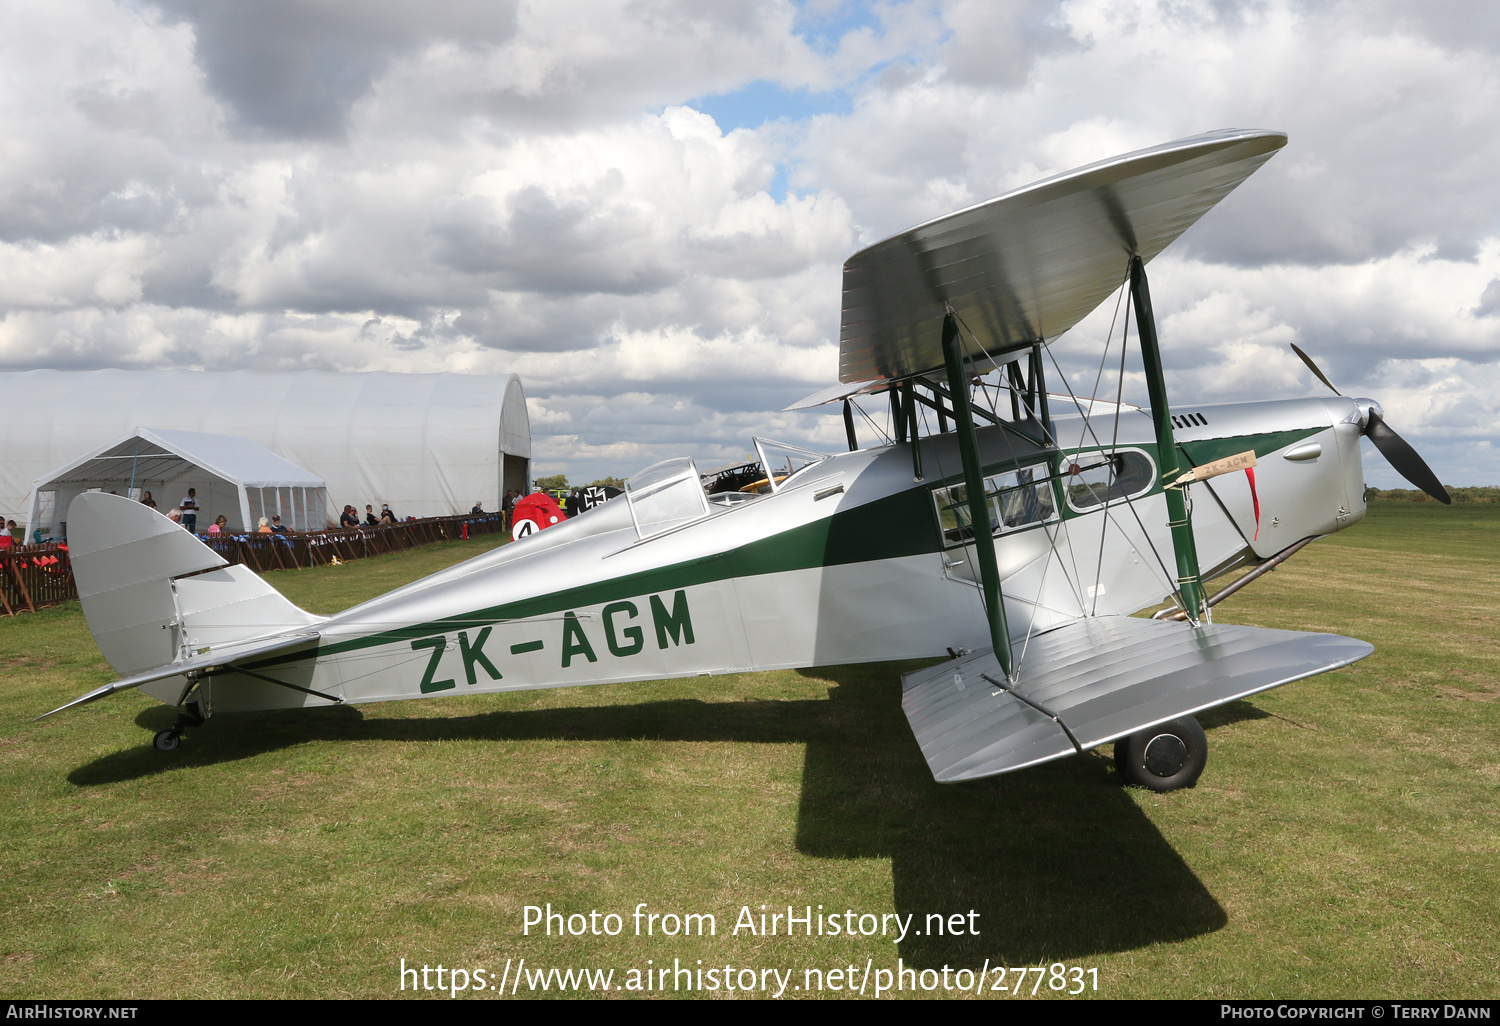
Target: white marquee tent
[231, 476]
[427, 444]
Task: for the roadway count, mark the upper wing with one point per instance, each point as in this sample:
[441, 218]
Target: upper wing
[1032, 263]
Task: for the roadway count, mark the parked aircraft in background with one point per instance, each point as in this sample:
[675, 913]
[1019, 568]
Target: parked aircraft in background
[1001, 527]
[533, 513]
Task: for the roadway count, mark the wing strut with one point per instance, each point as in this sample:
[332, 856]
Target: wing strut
[1188, 581]
[335, 699]
[979, 506]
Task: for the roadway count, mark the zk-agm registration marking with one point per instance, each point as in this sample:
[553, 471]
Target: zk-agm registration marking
[622, 636]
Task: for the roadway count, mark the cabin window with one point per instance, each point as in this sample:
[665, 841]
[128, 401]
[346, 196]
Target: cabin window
[665, 495]
[1017, 499]
[1095, 478]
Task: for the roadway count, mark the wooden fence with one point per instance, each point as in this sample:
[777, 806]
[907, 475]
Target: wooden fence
[40, 575]
[34, 575]
[263, 552]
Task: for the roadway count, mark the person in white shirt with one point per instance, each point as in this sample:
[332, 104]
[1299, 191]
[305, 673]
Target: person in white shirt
[189, 507]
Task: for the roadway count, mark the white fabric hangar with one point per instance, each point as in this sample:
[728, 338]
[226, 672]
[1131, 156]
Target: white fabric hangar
[427, 444]
[234, 477]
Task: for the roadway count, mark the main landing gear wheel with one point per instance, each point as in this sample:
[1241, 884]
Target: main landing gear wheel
[1164, 757]
[166, 740]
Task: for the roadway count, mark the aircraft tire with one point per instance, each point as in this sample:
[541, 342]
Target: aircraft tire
[166, 740]
[1165, 757]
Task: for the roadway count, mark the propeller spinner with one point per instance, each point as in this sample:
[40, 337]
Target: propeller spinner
[1392, 446]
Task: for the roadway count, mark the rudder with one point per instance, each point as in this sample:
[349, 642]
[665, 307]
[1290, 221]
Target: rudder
[153, 594]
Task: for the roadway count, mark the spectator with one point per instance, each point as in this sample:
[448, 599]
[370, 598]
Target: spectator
[264, 528]
[386, 516]
[175, 515]
[277, 527]
[146, 500]
[478, 507]
[220, 525]
[349, 518]
[370, 517]
[573, 504]
[189, 508]
[7, 534]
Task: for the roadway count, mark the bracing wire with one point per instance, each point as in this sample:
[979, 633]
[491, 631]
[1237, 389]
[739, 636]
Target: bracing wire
[1108, 339]
[1053, 532]
[1089, 430]
[1129, 503]
[878, 429]
[1114, 442]
[1075, 579]
[1048, 438]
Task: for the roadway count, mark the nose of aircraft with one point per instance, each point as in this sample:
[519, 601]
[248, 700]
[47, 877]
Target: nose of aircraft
[1397, 452]
[1365, 407]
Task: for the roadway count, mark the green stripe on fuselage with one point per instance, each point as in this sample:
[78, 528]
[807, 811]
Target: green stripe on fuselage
[1206, 450]
[876, 530]
[892, 527]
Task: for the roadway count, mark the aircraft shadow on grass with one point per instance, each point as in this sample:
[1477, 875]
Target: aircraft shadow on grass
[1058, 861]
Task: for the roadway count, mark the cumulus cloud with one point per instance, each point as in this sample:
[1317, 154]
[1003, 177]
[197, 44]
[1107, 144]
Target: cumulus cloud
[294, 68]
[1392, 133]
[487, 187]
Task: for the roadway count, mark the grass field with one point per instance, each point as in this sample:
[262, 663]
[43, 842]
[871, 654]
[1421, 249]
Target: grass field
[1344, 841]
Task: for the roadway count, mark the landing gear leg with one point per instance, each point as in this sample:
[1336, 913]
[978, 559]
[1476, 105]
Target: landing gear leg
[1165, 757]
[195, 712]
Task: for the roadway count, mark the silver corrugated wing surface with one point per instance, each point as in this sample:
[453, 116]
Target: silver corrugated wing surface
[1032, 263]
[1103, 678]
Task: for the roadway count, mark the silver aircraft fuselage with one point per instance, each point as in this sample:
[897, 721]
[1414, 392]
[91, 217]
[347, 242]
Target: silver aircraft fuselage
[850, 559]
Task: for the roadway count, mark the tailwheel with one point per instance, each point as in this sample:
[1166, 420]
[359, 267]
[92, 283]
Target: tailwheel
[1164, 757]
[191, 716]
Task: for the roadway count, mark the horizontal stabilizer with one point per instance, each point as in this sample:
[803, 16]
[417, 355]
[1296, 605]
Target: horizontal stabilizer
[1096, 680]
[206, 663]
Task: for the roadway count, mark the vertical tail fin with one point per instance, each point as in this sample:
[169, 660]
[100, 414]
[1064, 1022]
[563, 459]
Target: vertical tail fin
[153, 594]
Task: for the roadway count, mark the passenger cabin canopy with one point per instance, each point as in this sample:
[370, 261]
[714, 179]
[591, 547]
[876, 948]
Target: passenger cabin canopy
[232, 476]
[665, 495]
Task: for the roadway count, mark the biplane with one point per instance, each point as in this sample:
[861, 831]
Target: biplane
[1007, 530]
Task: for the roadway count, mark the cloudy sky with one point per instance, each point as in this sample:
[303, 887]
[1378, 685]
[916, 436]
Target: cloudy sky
[642, 207]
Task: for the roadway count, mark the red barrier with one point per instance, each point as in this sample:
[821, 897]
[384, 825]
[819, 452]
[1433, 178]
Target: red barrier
[41, 575]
